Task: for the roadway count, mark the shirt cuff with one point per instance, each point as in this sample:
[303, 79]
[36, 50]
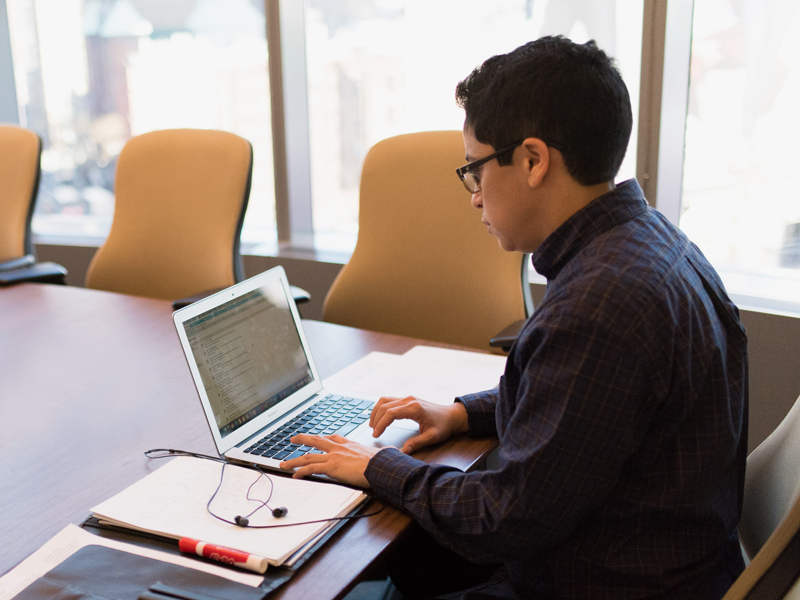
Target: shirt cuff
[480, 412]
[387, 473]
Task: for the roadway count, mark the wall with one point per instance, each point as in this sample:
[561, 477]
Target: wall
[774, 351]
[774, 340]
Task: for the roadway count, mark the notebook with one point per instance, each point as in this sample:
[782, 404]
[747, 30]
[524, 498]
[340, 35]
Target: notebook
[256, 377]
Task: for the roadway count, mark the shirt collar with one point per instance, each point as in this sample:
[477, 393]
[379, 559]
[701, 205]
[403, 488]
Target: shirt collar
[613, 208]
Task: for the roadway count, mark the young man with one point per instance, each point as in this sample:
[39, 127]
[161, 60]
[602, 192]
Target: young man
[622, 413]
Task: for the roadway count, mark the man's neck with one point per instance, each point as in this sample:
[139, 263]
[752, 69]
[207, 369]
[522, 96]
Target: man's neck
[572, 198]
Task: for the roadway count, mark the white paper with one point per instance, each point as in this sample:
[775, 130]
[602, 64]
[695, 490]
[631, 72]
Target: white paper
[72, 538]
[435, 374]
[289, 562]
[445, 374]
[361, 376]
[172, 501]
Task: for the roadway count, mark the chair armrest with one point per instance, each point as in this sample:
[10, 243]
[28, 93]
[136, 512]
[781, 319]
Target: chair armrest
[506, 338]
[300, 296]
[45, 272]
[17, 263]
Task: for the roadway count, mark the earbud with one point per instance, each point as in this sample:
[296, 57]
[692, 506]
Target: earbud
[279, 512]
[241, 521]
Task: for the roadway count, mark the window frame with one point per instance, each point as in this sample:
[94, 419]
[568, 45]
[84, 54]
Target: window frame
[286, 43]
[664, 103]
[9, 109]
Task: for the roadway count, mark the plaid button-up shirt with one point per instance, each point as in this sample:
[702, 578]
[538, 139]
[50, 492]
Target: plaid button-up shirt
[622, 422]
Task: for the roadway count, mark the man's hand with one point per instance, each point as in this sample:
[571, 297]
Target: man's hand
[343, 460]
[436, 422]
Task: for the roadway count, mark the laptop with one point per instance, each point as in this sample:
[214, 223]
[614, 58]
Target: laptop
[256, 377]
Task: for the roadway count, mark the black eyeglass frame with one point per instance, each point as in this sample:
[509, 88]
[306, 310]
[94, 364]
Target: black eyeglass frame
[462, 171]
[468, 168]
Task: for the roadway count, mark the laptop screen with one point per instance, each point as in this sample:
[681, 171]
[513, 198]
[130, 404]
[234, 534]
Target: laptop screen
[249, 355]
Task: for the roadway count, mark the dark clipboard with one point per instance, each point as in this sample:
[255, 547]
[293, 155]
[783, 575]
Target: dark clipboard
[102, 573]
[273, 578]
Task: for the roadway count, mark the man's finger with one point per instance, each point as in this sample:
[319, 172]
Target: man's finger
[315, 441]
[426, 438]
[383, 404]
[312, 469]
[380, 408]
[303, 460]
[403, 411]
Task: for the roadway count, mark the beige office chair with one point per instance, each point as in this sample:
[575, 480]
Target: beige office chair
[770, 524]
[20, 152]
[181, 196]
[424, 265]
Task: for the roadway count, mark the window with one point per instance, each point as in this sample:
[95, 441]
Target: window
[92, 73]
[740, 199]
[378, 68]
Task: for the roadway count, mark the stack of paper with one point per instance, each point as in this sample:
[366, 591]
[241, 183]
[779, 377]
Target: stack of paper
[435, 374]
[172, 502]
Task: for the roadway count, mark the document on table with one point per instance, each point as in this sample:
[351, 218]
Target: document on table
[72, 538]
[172, 502]
[435, 374]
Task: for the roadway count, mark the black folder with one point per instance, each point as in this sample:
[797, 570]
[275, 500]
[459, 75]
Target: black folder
[99, 572]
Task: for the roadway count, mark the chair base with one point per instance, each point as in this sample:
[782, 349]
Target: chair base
[45, 272]
[506, 338]
[17, 263]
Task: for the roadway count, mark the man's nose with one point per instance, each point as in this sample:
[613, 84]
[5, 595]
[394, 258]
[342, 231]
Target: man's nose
[477, 200]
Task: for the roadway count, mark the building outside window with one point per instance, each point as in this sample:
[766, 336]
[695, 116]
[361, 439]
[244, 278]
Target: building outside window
[740, 199]
[90, 74]
[378, 68]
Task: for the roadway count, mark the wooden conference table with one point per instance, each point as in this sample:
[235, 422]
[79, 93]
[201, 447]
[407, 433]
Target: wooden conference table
[89, 380]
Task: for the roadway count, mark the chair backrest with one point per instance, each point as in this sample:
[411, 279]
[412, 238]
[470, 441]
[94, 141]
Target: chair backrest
[772, 483]
[20, 151]
[181, 196]
[424, 265]
[770, 526]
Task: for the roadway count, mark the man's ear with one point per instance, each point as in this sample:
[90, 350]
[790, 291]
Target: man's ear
[536, 157]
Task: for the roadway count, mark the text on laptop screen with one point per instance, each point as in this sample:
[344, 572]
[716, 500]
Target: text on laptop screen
[249, 355]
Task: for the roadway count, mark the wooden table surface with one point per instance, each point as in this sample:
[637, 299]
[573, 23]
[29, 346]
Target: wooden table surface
[89, 380]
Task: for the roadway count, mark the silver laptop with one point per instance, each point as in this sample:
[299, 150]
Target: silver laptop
[257, 380]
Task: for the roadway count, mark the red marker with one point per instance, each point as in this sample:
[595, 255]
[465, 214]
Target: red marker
[229, 556]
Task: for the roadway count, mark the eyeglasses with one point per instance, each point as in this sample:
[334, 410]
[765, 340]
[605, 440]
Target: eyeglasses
[469, 178]
[472, 182]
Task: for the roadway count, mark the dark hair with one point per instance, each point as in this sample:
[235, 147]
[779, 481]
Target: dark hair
[569, 95]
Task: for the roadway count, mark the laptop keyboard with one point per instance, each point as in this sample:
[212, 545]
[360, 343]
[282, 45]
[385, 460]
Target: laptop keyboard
[332, 414]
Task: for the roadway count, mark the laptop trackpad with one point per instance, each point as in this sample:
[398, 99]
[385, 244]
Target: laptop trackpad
[395, 435]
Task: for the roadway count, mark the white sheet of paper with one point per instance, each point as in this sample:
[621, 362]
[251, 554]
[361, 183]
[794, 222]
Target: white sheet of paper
[172, 501]
[435, 374]
[72, 538]
[445, 374]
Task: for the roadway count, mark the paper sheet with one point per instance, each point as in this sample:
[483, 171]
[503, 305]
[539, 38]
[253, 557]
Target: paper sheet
[72, 538]
[435, 374]
[172, 501]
